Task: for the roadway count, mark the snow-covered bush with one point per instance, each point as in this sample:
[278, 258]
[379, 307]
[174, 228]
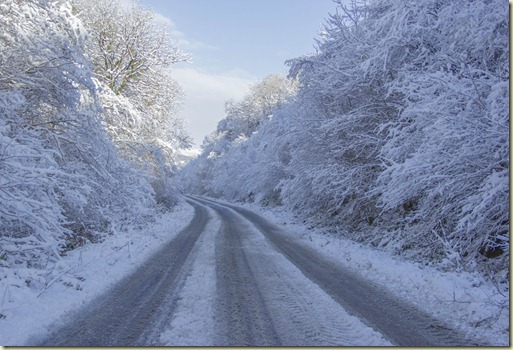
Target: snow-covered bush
[446, 154]
[62, 182]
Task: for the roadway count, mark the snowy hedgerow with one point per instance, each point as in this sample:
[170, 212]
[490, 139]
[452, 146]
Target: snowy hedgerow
[398, 135]
[62, 182]
[447, 152]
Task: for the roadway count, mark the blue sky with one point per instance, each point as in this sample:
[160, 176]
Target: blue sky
[234, 43]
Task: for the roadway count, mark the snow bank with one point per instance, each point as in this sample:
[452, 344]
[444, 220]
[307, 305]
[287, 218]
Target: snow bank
[33, 301]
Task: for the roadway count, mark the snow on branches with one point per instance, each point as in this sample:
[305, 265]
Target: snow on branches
[398, 135]
[62, 180]
[132, 56]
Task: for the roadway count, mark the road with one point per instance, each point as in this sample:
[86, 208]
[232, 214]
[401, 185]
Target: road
[269, 291]
[136, 310]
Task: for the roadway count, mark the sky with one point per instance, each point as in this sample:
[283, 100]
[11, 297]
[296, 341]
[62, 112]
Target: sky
[233, 44]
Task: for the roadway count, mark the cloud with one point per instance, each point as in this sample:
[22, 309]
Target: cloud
[206, 94]
[233, 83]
[163, 20]
[187, 44]
[179, 38]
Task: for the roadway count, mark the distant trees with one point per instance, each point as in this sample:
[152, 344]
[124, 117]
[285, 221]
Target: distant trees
[220, 149]
[398, 135]
[244, 117]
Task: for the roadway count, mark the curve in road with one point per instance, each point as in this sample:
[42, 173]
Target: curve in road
[263, 299]
[401, 323]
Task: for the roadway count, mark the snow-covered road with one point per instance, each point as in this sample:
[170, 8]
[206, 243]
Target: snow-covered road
[313, 301]
[233, 278]
[138, 308]
[263, 299]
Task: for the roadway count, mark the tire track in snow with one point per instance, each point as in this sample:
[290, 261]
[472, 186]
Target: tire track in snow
[193, 320]
[400, 322]
[242, 312]
[267, 287]
[303, 313]
[136, 310]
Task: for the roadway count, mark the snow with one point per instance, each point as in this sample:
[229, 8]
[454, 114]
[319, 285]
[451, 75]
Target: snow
[184, 156]
[301, 310]
[464, 300]
[31, 311]
[193, 322]
[30, 307]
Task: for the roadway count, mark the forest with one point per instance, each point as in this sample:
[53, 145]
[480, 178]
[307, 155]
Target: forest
[394, 133]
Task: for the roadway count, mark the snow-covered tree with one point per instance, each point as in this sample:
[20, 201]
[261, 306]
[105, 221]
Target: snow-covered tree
[244, 117]
[132, 56]
[446, 154]
[62, 182]
[222, 149]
